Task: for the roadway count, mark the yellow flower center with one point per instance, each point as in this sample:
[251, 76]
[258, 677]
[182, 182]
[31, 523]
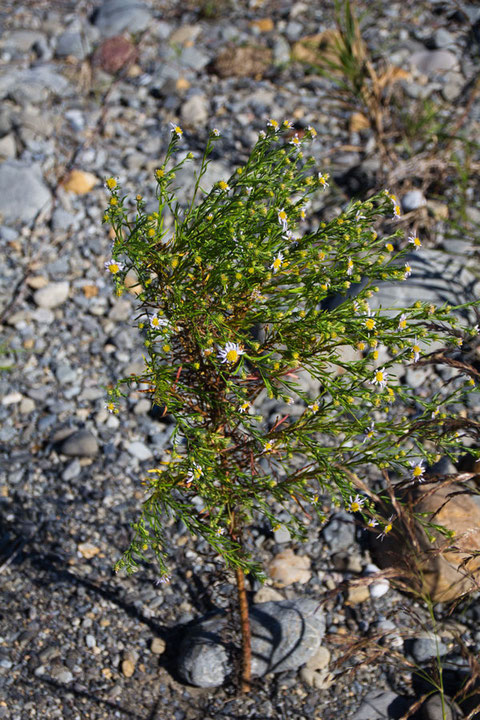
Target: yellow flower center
[417, 471]
[389, 247]
[277, 264]
[370, 323]
[223, 185]
[111, 183]
[114, 269]
[232, 356]
[387, 528]
[355, 507]
[282, 215]
[379, 376]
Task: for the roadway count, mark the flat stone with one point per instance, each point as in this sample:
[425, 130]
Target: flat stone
[33, 84]
[381, 705]
[52, 295]
[79, 444]
[287, 568]
[139, 450]
[426, 647]
[117, 16]
[432, 62]
[8, 147]
[412, 200]
[23, 193]
[195, 110]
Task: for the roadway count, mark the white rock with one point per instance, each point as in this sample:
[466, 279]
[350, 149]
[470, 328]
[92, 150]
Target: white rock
[52, 295]
[377, 589]
[195, 110]
[12, 398]
[139, 450]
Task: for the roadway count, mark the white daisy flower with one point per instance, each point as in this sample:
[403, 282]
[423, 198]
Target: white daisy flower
[402, 322]
[283, 219]
[230, 353]
[194, 473]
[418, 470]
[113, 266]
[295, 141]
[413, 240]
[349, 266]
[355, 503]
[277, 262]
[322, 179]
[380, 378]
[157, 322]
[216, 132]
[408, 271]
[244, 407]
[273, 124]
[176, 129]
[369, 432]
[415, 351]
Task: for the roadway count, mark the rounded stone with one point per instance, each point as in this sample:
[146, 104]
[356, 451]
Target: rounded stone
[52, 295]
[412, 200]
[79, 444]
[23, 193]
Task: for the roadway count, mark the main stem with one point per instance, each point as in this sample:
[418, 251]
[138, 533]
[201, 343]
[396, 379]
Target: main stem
[246, 634]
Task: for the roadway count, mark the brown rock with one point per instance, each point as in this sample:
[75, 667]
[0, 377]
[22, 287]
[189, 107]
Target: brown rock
[158, 646]
[442, 567]
[263, 24]
[287, 568]
[80, 182]
[128, 668]
[114, 54]
[248, 61]
[357, 594]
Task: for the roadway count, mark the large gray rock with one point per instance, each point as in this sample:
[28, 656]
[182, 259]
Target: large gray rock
[33, 85]
[285, 635]
[436, 278]
[381, 705]
[23, 194]
[117, 16]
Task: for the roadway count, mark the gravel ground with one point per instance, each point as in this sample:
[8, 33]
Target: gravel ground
[76, 641]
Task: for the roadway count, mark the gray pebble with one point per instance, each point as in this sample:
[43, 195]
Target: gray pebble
[425, 647]
[80, 444]
[62, 675]
[90, 641]
[195, 110]
[19, 181]
[381, 705]
[432, 62]
[339, 532]
[412, 200]
[139, 450]
[117, 16]
[442, 38]
[72, 470]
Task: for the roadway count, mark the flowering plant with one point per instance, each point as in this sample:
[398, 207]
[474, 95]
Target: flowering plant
[233, 300]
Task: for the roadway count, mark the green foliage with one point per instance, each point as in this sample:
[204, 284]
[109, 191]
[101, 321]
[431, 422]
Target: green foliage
[244, 255]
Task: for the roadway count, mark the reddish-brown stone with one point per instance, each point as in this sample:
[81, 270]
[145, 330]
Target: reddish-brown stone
[115, 54]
